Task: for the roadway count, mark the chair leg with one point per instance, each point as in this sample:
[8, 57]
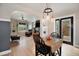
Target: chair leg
[60, 51]
[36, 53]
[45, 54]
[51, 54]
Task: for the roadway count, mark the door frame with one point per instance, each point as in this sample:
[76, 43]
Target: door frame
[72, 28]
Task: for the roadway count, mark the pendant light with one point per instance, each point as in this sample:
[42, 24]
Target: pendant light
[47, 13]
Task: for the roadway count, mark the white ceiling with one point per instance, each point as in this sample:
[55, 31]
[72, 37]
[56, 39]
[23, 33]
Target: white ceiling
[36, 9]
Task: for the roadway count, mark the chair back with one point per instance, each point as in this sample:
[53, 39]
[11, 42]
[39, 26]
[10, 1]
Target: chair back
[38, 39]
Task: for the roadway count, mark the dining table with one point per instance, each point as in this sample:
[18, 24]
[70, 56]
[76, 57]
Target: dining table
[55, 44]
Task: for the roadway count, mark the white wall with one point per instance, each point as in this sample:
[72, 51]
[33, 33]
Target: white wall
[77, 29]
[48, 26]
[43, 28]
[3, 19]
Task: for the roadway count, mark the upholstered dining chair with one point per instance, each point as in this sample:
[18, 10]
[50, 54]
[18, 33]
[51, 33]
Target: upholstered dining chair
[41, 47]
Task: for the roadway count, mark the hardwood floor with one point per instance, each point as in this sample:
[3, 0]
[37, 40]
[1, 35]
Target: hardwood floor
[25, 47]
[68, 50]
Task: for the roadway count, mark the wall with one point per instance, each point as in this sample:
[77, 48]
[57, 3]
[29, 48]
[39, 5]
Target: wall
[43, 28]
[51, 26]
[48, 26]
[77, 29]
[13, 27]
[4, 36]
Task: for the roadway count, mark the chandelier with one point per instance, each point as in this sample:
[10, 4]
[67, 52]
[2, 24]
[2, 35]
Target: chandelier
[48, 12]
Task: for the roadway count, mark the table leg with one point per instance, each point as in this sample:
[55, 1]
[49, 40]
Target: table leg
[60, 51]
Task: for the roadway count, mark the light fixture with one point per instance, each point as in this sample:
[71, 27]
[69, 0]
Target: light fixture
[48, 12]
[22, 17]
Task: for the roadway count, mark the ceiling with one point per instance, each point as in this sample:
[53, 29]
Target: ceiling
[34, 10]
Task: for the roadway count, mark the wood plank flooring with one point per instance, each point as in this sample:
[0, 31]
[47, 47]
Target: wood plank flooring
[25, 47]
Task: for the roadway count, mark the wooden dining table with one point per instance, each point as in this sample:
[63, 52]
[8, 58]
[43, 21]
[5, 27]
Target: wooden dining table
[55, 44]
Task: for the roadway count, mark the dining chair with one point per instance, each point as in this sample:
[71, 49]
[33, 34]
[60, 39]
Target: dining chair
[41, 47]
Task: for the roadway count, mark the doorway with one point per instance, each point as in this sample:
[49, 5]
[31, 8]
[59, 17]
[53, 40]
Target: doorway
[64, 26]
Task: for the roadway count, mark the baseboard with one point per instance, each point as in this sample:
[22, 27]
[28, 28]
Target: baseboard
[76, 46]
[5, 52]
